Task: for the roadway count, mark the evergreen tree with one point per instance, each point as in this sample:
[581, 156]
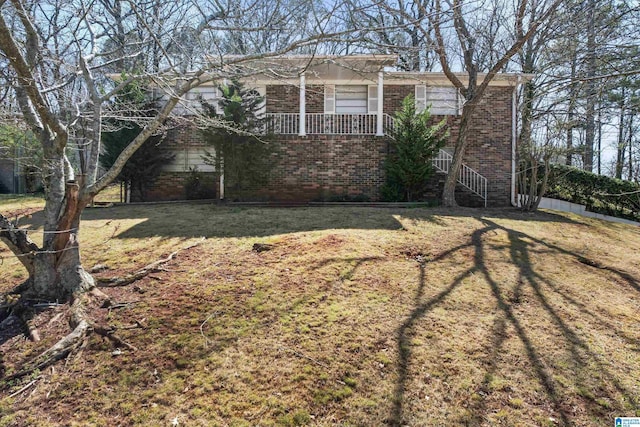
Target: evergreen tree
[415, 142]
[143, 167]
[241, 147]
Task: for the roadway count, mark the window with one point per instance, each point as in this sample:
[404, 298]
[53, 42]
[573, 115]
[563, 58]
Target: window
[192, 101]
[443, 100]
[351, 99]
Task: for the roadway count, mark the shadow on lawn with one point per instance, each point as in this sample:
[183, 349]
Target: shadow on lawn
[188, 220]
[195, 220]
[587, 364]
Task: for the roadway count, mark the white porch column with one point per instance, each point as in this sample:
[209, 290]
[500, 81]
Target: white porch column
[302, 129]
[380, 118]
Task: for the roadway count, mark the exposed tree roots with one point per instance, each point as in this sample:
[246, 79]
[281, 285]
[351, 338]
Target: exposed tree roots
[81, 324]
[58, 351]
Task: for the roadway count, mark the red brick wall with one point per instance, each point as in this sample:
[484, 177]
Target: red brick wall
[489, 149]
[319, 167]
[326, 167]
[393, 95]
[314, 99]
[286, 99]
[282, 99]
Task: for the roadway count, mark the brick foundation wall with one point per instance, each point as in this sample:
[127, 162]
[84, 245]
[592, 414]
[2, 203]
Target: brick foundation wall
[172, 186]
[326, 167]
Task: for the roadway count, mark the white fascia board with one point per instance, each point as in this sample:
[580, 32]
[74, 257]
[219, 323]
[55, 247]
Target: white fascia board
[440, 79]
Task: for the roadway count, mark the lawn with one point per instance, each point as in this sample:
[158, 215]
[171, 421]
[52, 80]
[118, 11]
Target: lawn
[355, 317]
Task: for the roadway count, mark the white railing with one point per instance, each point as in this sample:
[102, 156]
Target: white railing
[468, 177]
[387, 123]
[323, 124]
[341, 124]
[283, 123]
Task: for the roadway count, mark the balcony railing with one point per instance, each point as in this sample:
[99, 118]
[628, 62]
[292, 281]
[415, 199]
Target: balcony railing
[323, 124]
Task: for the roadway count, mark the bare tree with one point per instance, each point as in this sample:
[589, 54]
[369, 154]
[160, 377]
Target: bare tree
[399, 27]
[472, 90]
[59, 55]
[473, 36]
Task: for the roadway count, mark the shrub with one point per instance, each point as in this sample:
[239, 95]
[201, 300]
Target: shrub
[414, 144]
[598, 193]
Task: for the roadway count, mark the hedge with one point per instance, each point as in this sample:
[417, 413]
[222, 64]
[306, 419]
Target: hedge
[598, 193]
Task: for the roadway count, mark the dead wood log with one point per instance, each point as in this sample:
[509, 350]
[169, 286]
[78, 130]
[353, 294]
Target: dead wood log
[262, 247]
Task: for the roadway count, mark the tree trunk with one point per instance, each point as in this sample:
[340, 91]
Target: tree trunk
[54, 274]
[449, 192]
[629, 143]
[590, 116]
[621, 143]
[55, 269]
[59, 278]
[571, 108]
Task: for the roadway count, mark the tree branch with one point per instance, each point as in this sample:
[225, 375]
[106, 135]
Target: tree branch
[440, 49]
[27, 80]
[18, 242]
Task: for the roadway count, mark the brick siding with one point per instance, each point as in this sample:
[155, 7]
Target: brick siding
[286, 99]
[332, 167]
[326, 167]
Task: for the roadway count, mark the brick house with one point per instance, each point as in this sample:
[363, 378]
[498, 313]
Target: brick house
[329, 123]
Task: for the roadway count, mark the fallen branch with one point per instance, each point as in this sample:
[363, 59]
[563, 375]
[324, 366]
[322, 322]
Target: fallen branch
[111, 335]
[154, 267]
[14, 394]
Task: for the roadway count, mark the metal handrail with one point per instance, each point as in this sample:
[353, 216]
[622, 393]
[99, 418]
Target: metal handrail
[467, 176]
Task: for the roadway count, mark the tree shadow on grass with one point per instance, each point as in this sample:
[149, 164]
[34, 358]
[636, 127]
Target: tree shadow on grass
[195, 220]
[588, 368]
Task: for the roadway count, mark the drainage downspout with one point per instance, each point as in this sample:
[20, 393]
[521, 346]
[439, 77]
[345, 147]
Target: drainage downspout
[514, 137]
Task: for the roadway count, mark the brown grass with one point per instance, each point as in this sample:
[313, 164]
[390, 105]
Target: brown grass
[357, 316]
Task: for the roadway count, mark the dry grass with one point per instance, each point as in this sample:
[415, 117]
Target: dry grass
[357, 317]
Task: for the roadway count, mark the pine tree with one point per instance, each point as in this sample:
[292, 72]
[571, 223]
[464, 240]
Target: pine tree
[241, 148]
[415, 142]
[144, 166]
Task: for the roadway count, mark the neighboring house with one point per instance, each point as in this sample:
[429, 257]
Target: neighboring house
[329, 124]
[12, 180]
